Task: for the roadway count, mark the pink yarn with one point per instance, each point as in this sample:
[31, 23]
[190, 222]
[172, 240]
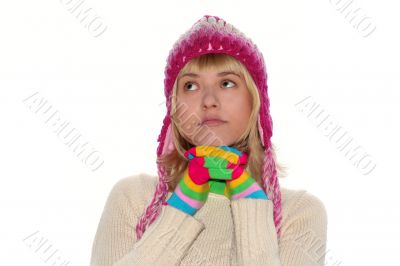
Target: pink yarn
[210, 34]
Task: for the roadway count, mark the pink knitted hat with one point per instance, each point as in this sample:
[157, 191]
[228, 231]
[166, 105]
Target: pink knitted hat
[212, 34]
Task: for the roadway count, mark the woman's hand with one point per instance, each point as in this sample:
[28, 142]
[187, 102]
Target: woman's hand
[242, 185]
[215, 164]
[192, 190]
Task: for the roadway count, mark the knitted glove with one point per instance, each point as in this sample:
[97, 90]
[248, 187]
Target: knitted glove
[242, 185]
[192, 190]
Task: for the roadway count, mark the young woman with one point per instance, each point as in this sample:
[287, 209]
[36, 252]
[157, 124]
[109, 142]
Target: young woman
[216, 199]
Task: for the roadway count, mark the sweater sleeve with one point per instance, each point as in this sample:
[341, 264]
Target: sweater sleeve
[164, 242]
[303, 232]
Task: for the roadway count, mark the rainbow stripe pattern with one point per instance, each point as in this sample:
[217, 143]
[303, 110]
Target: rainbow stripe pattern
[219, 169]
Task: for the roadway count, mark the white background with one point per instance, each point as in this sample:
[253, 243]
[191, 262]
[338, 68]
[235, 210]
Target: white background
[110, 88]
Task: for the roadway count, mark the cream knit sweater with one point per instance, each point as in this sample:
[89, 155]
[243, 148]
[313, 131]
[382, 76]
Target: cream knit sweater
[222, 232]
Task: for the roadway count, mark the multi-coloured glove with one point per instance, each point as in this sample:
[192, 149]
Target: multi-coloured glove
[192, 190]
[207, 167]
[242, 185]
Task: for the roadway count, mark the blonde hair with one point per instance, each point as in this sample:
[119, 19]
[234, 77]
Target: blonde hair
[250, 141]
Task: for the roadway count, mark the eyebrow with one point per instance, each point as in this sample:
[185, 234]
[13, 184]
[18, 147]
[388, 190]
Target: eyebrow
[221, 74]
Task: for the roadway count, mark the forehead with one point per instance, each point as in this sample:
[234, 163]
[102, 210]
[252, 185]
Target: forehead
[211, 65]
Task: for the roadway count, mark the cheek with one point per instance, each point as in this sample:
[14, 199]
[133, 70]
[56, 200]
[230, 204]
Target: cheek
[240, 105]
[184, 108]
[243, 118]
[186, 116]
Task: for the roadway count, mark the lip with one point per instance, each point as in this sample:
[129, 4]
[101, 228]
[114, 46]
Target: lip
[213, 122]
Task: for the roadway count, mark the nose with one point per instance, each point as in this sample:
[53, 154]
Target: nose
[210, 99]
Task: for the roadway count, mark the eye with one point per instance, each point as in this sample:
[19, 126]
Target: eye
[227, 82]
[185, 87]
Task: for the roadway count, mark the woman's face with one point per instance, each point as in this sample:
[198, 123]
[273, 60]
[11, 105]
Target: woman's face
[219, 96]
